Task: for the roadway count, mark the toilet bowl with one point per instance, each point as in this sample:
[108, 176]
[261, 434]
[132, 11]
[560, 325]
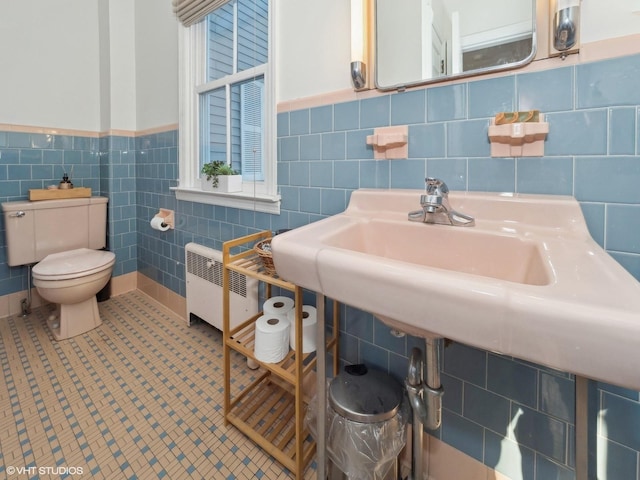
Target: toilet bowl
[71, 280]
[65, 238]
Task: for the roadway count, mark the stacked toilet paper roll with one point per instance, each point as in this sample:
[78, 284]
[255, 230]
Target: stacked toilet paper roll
[309, 321]
[271, 338]
[278, 306]
[272, 330]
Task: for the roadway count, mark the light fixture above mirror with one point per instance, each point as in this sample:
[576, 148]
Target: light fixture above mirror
[359, 43]
[564, 25]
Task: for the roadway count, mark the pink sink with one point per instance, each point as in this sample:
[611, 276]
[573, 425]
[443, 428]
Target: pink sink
[527, 280]
[461, 250]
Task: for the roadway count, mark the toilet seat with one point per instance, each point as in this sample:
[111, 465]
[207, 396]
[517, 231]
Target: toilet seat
[73, 264]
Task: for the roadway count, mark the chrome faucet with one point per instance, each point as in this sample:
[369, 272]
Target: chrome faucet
[436, 207]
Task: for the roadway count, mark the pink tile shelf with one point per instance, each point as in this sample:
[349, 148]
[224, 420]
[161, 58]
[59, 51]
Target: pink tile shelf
[390, 142]
[518, 139]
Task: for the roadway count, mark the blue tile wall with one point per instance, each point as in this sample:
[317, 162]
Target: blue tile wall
[514, 416]
[447, 103]
[119, 165]
[488, 97]
[608, 83]
[105, 164]
[408, 107]
[160, 255]
[557, 94]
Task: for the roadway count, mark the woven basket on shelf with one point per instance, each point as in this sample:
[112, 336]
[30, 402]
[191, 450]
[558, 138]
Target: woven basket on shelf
[263, 249]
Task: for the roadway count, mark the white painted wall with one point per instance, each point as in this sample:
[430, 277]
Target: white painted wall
[76, 64]
[104, 62]
[601, 19]
[121, 56]
[50, 73]
[55, 72]
[313, 47]
[156, 64]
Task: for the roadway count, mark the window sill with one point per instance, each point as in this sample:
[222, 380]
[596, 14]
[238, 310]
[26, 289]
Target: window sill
[244, 201]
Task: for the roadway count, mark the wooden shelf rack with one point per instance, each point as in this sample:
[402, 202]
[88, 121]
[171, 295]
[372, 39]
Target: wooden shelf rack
[271, 410]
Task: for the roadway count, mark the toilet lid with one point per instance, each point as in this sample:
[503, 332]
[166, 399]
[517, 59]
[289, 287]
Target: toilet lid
[73, 264]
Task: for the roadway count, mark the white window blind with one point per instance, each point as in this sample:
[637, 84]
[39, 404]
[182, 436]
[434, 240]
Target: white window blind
[252, 128]
[192, 11]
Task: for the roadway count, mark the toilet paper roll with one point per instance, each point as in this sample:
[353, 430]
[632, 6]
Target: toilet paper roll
[271, 338]
[157, 223]
[309, 321]
[278, 306]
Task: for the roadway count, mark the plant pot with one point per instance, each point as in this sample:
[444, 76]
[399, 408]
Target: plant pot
[226, 184]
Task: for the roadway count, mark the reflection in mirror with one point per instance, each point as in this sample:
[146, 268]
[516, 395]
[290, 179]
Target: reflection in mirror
[423, 41]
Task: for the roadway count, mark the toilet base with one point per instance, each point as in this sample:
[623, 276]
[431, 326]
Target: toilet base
[75, 319]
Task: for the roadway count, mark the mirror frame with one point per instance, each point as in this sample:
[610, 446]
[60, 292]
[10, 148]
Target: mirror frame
[445, 78]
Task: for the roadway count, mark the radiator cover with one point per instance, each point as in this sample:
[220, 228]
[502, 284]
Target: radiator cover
[203, 267]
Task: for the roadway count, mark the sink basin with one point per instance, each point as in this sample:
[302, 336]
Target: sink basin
[527, 280]
[466, 250]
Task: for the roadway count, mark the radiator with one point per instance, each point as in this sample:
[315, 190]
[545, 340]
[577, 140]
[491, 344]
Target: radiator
[204, 288]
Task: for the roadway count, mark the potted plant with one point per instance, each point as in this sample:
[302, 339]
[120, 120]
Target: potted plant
[218, 176]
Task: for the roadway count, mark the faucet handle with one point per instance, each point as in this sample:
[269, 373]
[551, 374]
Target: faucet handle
[435, 186]
[436, 200]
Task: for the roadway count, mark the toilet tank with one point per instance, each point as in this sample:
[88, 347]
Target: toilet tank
[37, 229]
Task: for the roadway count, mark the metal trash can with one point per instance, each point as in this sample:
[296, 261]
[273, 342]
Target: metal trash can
[366, 419]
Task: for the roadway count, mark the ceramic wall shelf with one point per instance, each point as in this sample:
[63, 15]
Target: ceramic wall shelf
[519, 139]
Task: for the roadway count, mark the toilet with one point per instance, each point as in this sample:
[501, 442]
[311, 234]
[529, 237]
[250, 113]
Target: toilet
[64, 238]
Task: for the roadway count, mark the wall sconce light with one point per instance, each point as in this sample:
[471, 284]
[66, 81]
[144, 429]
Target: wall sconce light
[358, 43]
[564, 26]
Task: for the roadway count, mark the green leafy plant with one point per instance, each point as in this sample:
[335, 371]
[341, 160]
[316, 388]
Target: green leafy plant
[212, 169]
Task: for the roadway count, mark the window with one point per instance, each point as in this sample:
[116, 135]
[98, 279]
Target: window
[227, 104]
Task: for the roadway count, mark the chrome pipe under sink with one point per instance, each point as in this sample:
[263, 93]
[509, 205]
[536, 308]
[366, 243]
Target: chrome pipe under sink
[425, 398]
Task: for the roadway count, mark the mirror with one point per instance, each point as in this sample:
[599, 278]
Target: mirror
[425, 41]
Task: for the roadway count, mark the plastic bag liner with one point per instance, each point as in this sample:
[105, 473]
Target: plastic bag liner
[363, 451]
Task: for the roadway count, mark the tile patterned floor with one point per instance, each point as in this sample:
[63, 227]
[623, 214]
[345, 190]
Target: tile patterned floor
[138, 397]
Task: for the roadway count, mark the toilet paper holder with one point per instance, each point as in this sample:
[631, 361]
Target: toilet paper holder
[167, 217]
